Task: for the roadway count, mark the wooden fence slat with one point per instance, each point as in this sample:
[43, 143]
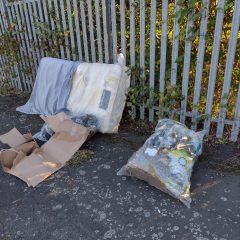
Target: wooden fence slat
[65, 29]
[214, 63]
[186, 66]
[90, 21]
[99, 31]
[200, 61]
[70, 24]
[83, 18]
[176, 30]
[229, 68]
[59, 29]
[236, 121]
[114, 29]
[123, 28]
[152, 54]
[142, 50]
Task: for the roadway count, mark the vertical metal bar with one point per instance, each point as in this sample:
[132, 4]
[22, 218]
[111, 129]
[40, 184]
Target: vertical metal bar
[152, 55]
[99, 35]
[229, 68]
[58, 26]
[105, 30]
[85, 38]
[142, 52]
[200, 59]
[76, 18]
[114, 30]
[214, 63]
[50, 2]
[69, 10]
[186, 66]
[123, 28]
[236, 121]
[90, 21]
[176, 30]
[65, 28]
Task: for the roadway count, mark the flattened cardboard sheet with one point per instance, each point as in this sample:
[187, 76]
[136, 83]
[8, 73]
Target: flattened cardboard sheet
[32, 164]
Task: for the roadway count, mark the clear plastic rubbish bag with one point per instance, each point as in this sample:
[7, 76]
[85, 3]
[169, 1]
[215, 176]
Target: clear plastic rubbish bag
[167, 158]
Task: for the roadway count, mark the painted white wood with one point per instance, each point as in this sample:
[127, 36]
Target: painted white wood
[99, 34]
[229, 68]
[142, 50]
[123, 27]
[200, 61]
[114, 29]
[176, 30]
[69, 13]
[64, 25]
[186, 67]
[83, 18]
[79, 41]
[106, 53]
[152, 54]
[90, 22]
[236, 121]
[214, 63]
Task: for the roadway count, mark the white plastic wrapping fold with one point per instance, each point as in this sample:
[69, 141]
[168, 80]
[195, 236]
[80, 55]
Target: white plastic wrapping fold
[100, 90]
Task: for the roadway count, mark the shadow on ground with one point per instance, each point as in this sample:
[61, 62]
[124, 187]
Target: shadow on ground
[90, 202]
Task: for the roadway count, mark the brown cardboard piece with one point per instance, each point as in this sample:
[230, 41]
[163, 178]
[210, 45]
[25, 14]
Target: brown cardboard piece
[32, 164]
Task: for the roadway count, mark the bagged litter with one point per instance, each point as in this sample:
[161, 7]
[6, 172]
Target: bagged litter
[100, 90]
[167, 158]
[88, 121]
[52, 87]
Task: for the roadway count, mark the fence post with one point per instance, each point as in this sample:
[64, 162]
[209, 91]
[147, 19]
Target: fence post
[109, 30]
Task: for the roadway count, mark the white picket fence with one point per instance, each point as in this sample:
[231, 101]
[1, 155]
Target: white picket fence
[91, 34]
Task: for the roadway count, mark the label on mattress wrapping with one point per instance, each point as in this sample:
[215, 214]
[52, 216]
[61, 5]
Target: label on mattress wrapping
[104, 102]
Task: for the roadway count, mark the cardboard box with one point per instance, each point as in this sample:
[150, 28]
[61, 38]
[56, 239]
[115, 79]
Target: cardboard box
[32, 164]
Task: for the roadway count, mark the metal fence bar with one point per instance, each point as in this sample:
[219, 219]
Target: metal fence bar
[123, 28]
[65, 29]
[152, 54]
[99, 31]
[176, 30]
[105, 35]
[114, 29]
[236, 121]
[90, 21]
[214, 63]
[76, 18]
[83, 18]
[229, 68]
[142, 51]
[186, 67]
[200, 60]
[50, 7]
[70, 24]
[58, 26]
[33, 30]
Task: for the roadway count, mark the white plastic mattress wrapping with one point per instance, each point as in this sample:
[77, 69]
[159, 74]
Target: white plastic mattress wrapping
[81, 89]
[100, 90]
